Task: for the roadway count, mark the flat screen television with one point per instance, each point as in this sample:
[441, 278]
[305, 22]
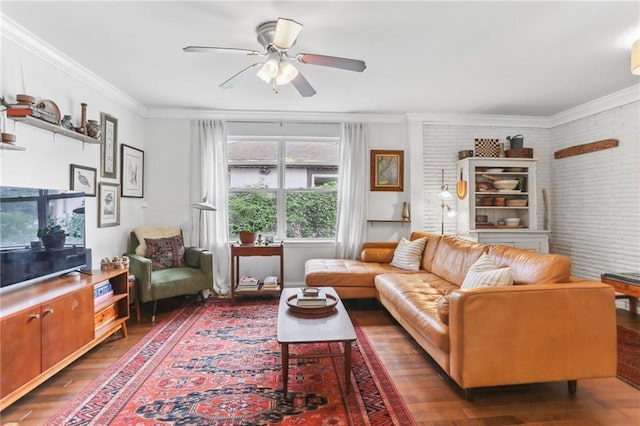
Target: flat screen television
[25, 259]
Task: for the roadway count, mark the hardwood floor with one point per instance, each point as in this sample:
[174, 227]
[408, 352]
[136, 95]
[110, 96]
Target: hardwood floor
[432, 398]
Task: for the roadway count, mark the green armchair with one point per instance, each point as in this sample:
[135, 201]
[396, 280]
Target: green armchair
[193, 278]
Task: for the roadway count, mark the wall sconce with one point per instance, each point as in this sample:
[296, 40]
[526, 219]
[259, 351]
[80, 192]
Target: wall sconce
[445, 196]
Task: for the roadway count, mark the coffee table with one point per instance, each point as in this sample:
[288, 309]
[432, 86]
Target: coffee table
[292, 329]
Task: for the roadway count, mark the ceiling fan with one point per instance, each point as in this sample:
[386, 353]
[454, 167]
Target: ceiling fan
[278, 37]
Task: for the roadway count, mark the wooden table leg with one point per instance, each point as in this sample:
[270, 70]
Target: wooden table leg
[285, 368]
[347, 363]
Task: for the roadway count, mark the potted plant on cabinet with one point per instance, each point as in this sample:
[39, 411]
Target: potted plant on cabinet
[52, 235]
[248, 230]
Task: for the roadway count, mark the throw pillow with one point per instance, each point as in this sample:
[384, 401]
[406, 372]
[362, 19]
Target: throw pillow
[443, 309]
[153, 232]
[408, 254]
[484, 273]
[165, 252]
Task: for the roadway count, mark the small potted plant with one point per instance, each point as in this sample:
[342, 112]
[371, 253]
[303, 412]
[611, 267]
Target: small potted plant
[53, 235]
[248, 230]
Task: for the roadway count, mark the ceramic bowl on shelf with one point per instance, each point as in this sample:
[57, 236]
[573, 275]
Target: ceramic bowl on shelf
[495, 170]
[517, 202]
[506, 184]
[512, 221]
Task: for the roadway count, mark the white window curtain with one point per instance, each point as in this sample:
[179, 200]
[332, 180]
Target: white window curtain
[352, 191]
[209, 179]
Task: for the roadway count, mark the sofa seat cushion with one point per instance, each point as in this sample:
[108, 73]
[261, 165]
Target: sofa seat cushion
[416, 298]
[345, 272]
[172, 282]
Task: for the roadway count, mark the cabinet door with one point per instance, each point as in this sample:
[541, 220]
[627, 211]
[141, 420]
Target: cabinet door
[19, 349]
[67, 325]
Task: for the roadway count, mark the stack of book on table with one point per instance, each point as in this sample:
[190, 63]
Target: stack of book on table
[248, 283]
[311, 297]
[102, 292]
[270, 283]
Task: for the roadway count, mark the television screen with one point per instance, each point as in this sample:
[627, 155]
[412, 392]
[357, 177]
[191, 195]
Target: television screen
[42, 234]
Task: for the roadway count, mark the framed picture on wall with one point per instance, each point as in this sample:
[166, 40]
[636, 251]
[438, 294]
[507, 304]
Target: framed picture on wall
[109, 154]
[387, 170]
[83, 179]
[131, 171]
[108, 204]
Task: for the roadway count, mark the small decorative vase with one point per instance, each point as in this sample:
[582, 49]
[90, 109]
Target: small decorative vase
[93, 129]
[501, 152]
[405, 211]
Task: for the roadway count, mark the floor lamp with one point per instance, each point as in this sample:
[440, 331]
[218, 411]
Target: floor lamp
[202, 206]
[445, 196]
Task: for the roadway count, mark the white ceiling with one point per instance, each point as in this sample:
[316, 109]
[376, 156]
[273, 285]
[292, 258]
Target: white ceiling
[513, 58]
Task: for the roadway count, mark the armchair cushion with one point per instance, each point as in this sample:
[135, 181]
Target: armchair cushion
[152, 232]
[165, 252]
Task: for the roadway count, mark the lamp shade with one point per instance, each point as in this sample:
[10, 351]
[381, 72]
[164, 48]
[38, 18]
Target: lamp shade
[269, 70]
[635, 58]
[286, 73]
[204, 206]
[444, 193]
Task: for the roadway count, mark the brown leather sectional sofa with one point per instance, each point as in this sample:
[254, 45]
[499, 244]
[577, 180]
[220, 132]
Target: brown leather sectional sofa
[548, 326]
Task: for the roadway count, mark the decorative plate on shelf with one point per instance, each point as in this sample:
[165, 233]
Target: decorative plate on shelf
[312, 311]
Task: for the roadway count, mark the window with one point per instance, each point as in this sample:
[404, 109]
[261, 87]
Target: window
[287, 184]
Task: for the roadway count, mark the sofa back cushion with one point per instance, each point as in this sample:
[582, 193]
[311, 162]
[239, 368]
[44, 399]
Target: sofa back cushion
[454, 257]
[528, 267]
[429, 248]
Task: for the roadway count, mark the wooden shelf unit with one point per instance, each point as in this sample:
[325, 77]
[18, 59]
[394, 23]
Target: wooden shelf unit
[54, 128]
[46, 326]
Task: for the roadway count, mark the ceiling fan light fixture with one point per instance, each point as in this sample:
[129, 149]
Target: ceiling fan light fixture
[287, 31]
[635, 58]
[269, 70]
[286, 73]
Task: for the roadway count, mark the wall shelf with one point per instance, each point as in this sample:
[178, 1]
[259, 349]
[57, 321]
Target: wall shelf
[12, 147]
[388, 221]
[56, 129]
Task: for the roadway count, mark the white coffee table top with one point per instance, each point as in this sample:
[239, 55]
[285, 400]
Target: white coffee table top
[297, 329]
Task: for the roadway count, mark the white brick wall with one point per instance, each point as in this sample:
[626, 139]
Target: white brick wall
[596, 196]
[441, 144]
[594, 199]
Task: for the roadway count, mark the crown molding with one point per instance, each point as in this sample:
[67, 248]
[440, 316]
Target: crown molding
[11, 30]
[481, 120]
[288, 116]
[607, 102]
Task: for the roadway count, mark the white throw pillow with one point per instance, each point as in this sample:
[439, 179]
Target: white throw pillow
[408, 254]
[484, 273]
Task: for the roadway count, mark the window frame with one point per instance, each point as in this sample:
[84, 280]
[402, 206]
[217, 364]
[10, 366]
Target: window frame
[281, 164]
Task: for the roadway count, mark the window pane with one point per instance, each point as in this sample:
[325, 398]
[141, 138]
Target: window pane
[253, 164]
[311, 214]
[260, 207]
[18, 223]
[310, 164]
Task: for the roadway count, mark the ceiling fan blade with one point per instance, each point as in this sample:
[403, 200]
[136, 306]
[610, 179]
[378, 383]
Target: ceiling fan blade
[302, 86]
[287, 31]
[332, 61]
[210, 49]
[231, 82]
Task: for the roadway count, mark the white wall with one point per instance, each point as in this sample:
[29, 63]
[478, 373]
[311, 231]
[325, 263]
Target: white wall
[441, 144]
[596, 196]
[167, 189]
[45, 163]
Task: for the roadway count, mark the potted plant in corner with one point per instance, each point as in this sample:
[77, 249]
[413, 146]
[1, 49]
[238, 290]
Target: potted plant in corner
[52, 235]
[248, 231]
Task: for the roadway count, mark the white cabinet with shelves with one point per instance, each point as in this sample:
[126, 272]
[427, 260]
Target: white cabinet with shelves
[483, 211]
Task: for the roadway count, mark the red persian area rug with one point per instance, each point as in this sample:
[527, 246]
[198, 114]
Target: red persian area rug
[629, 356]
[219, 364]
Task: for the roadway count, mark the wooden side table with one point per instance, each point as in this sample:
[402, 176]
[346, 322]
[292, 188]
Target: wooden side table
[238, 251]
[626, 283]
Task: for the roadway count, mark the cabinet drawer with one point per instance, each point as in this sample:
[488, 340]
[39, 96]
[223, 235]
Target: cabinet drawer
[106, 315]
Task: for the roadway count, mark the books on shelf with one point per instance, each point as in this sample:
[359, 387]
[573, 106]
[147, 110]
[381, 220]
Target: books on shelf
[102, 288]
[248, 283]
[311, 297]
[270, 283]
